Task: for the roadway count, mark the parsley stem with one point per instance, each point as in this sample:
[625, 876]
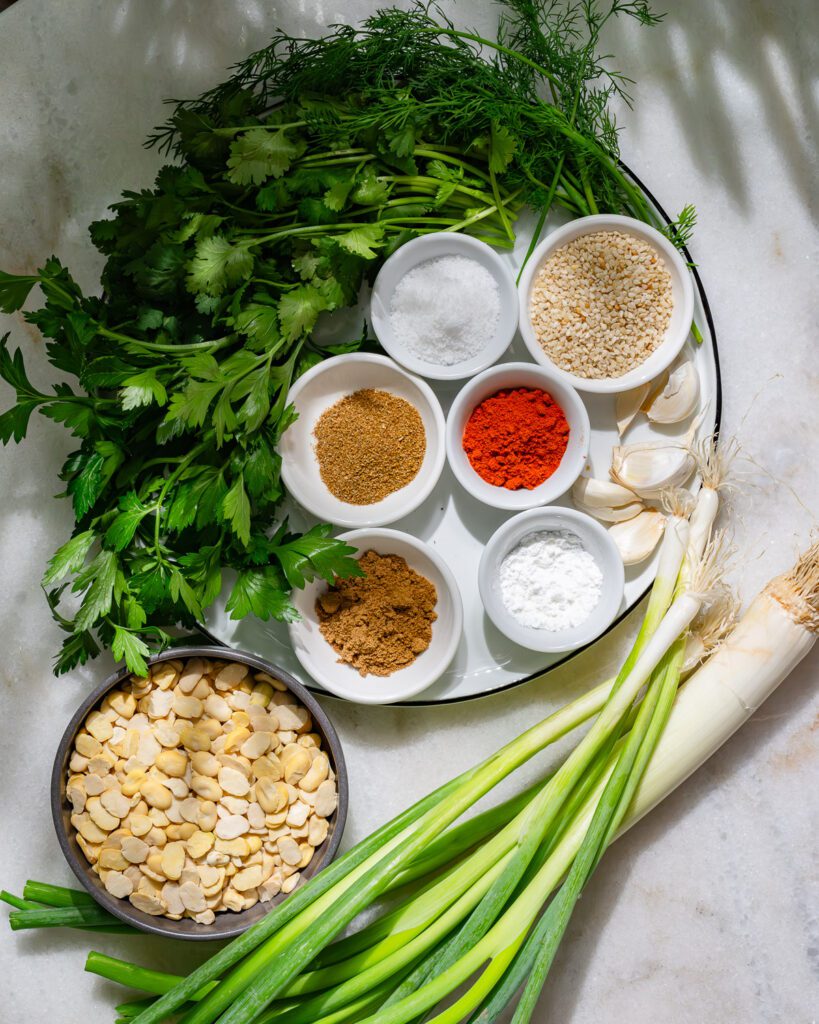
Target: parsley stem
[192, 454]
[265, 127]
[500, 207]
[151, 346]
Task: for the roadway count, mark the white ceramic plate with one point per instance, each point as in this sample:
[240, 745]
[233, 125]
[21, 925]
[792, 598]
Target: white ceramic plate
[321, 662]
[458, 527]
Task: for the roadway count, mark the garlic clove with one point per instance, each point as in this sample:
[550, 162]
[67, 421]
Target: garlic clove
[638, 537]
[601, 493]
[618, 514]
[652, 467]
[628, 405]
[679, 397]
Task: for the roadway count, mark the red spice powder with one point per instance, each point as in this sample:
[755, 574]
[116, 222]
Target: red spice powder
[516, 438]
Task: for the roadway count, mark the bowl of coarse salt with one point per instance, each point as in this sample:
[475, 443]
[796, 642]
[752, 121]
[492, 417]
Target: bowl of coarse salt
[444, 306]
[606, 303]
[551, 579]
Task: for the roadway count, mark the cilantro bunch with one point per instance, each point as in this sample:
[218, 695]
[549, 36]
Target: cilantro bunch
[293, 180]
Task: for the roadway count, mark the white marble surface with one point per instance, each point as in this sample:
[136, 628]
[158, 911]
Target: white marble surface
[708, 910]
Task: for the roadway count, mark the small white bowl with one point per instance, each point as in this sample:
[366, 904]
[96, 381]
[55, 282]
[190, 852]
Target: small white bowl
[596, 541]
[682, 292]
[518, 375]
[320, 660]
[430, 247]
[317, 391]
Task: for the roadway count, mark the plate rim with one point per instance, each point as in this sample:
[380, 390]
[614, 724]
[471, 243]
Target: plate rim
[709, 319]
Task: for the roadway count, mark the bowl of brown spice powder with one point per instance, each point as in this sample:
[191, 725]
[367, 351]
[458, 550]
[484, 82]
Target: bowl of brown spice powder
[368, 445]
[387, 634]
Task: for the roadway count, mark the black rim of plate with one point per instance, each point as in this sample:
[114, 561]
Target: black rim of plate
[620, 618]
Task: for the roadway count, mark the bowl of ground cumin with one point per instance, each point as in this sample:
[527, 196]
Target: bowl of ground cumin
[367, 446]
[387, 634]
[606, 302]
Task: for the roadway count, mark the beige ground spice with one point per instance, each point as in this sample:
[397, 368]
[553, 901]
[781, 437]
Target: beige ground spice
[380, 622]
[368, 445]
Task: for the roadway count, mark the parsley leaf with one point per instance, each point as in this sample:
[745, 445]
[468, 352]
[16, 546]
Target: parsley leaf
[132, 648]
[142, 389]
[260, 592]
[236, 509]
[316, 554]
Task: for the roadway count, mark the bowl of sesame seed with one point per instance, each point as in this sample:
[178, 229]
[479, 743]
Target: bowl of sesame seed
[606, 302]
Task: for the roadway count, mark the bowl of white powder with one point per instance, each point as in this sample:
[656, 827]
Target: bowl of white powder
[551, 579]
[445, 306]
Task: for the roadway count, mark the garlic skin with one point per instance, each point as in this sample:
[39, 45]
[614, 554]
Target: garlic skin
[638, 537]
[601, 493]
[618, 514]
[678, 398]
[605, 500]
[628, 404]
[652, 467]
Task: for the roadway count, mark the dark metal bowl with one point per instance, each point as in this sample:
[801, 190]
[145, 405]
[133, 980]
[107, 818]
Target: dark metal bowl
[227, 923]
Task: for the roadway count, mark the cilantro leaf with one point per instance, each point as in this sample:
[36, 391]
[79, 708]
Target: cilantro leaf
[218, 264]
[335, 198]
[259, 323]
[370, 191]
[259, 154]
[502, 149]
[299, 310]
[362, 241]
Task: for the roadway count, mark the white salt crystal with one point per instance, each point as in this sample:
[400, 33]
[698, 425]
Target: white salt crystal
[445, 310]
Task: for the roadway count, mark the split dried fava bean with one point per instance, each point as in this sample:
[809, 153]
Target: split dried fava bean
[199, 779]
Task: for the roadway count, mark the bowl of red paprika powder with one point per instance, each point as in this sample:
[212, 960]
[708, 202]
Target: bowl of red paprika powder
[517, 436]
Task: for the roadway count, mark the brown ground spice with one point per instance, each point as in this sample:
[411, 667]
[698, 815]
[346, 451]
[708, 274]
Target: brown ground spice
[382, 621]
[368, 445]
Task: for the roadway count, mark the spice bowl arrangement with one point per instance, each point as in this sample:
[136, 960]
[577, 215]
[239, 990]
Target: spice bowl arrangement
[517, 436]
[190, 801]
[606, 302]
[551, 579]
[384, 636]
[368, 444]
[444, 306]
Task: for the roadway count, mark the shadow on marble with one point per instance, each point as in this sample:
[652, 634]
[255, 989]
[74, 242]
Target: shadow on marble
[769, 49]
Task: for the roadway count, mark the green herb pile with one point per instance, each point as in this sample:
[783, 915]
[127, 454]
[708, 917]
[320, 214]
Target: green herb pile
[294, 180]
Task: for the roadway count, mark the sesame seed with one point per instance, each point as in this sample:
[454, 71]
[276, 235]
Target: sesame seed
[601, 304]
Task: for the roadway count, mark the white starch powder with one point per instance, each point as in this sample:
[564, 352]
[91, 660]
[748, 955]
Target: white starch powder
[445, 310]
[550, 581]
